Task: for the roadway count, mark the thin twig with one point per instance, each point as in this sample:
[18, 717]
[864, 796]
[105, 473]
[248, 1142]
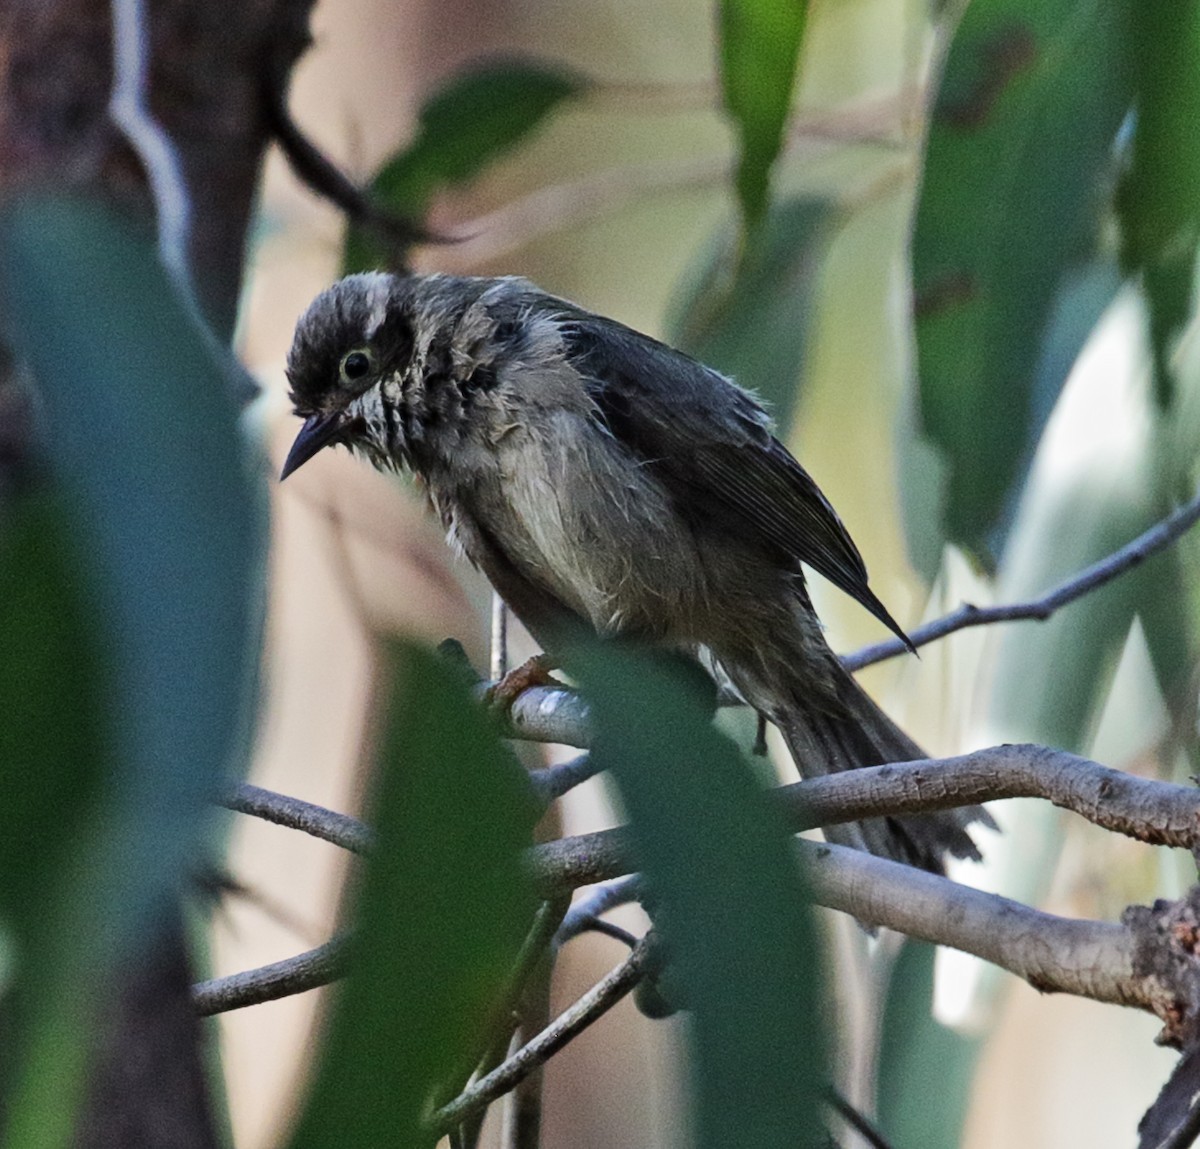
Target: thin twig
[857, 1121]
[283, 810]
[551, 782]
[593, 924]
[499, 659]
[321, 966]
[1160, 813]
[599, 901]
[319, 173]
[569, 1024]
[1150, 542]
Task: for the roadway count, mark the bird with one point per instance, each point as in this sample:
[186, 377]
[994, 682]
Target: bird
[608, 484]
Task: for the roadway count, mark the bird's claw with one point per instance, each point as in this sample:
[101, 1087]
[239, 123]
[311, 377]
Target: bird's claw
[534, 671]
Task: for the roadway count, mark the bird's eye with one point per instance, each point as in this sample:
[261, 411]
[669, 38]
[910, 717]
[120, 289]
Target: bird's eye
[355, 365]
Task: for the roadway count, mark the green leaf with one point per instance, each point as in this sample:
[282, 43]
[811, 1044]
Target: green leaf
[51, 737]
[925, 1068]
[749, 316]
[726, 895]
[1019, 151]
[1049, 676]
[53, 746]
[1159, 198]
[479, 116]
[760, 49]
[443, 909]
[142, 439]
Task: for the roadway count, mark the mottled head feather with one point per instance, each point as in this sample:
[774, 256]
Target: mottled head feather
[368, 310]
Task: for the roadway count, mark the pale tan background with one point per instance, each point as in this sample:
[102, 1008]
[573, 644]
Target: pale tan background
[352, 553]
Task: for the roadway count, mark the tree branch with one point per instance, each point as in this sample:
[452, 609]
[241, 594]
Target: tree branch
[1150, 542]
[1087, 958]
[569, 1024]
[328, 825]
[318, 967]
[1159, 813]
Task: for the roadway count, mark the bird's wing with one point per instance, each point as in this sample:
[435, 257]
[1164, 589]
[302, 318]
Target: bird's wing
[711, 444]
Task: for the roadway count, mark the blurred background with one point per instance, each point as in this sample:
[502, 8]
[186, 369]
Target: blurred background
[620, 200]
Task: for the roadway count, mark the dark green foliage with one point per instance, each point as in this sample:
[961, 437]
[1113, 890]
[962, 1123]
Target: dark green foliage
[749, 316]
[1019, 158]
[130, 610]
[760, 48]
[727, 896]
[1159, 199]
[463, 128]
[441, 911]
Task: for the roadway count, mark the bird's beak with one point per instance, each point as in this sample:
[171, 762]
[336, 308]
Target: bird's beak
[318, 431]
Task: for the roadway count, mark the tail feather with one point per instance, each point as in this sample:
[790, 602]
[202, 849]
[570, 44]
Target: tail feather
[862, 735]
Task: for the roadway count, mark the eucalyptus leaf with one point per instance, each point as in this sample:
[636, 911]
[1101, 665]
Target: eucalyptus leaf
[749, 317]
[725, 892]
[53, 746]
[1159, 197]
[925, 1068]
[1019, 162]
[141, 437]
[477, 117]
[759, 51]
[442, 909]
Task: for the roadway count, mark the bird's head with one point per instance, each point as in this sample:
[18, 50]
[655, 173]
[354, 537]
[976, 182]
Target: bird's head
[406, 369]
[354, 339]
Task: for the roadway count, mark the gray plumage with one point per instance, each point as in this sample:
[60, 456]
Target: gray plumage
[601, 479]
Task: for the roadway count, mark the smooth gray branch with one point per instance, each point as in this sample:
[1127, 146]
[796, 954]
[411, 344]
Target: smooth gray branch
[569, 1024]
[1160, 813]
[1150, 542]
[321, 966]
[1088, 958]
[328, 825]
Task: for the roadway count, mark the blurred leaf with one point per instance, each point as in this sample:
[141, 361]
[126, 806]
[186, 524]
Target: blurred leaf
[925, 1068]
[1084, 294]
[749, 317]
[1049, 675]
[1159, 198]
[1019, 151]
[52, 744]
[726, 895]
[760, 49]
[470, 123]
[141, 434]
[51, 737]
[1165, 609]
[443, 909]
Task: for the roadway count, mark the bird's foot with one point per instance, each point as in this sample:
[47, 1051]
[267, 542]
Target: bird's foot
[533, 672]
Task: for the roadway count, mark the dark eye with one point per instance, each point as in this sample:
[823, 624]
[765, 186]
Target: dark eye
[356, 365]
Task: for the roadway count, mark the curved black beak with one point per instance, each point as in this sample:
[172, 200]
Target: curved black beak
[318, 431]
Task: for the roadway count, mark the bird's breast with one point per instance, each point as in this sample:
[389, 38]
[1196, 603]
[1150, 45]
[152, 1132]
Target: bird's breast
[577, 514]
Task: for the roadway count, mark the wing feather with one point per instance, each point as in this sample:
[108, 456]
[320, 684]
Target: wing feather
[711, 444]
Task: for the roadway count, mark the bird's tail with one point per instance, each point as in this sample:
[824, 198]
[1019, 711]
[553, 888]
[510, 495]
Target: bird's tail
[860, 734]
